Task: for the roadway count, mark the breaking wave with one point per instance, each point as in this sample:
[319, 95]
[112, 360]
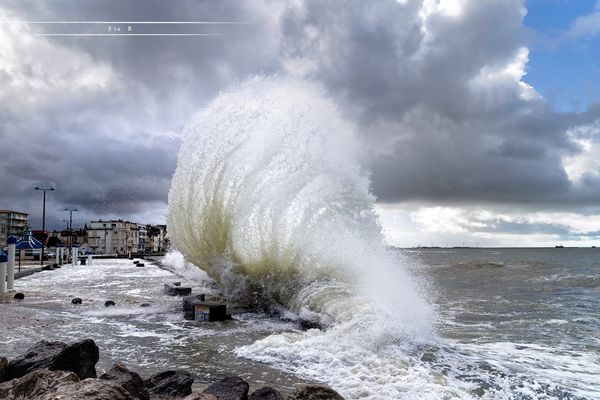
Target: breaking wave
[269, 200]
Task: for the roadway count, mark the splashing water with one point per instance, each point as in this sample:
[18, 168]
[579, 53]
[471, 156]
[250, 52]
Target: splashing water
[269, 200]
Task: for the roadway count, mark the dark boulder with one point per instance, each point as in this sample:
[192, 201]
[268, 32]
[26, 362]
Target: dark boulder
[200, 396]
[36, 385]
[88, 389]
[41, 355]
[109, 303]
[170, 383]
[229, 388]
[3, 369]
[19, 296]
[314, 392]
[76, 300]
[145, 305]
[79, 358]
[129, 380]
[266, 393]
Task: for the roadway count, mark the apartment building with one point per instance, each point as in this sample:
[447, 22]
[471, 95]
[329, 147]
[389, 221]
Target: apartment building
[12, 223]
[113, 237]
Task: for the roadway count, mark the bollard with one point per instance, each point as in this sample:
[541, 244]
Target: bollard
[57, 255]
[89, 259]
[74, 255]
[3, 260]
[10, 268]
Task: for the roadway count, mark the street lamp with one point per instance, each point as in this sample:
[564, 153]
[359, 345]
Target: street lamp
[44, 189]
[70, 224]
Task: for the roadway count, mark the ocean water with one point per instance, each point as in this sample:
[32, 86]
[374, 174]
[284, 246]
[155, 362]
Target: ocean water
[517, 323]
[512, 324]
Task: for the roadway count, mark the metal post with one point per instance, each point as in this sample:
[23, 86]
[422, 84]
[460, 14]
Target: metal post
[74, 256]
[43, 222]
[10, 273]
[43, 230]
[70, 224]
[3, 260]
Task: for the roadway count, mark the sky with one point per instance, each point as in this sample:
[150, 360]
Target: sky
[480, 119]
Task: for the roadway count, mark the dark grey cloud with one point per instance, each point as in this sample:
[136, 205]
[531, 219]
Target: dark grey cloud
[437, 97]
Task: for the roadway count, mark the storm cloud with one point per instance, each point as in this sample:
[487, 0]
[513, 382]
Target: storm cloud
[437, 89]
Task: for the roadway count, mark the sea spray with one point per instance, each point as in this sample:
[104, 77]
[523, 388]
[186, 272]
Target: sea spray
[269, 200]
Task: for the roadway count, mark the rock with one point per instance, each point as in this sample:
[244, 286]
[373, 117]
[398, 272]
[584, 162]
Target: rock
[145, 305]
[266, 393]
[79, 358]
[88, 389]
[170, 383]
[47, 267]
[109, 303]
[229, 388]
[140, 265]
[19, 296]
[41, 355]
[3, 369]
[314, 392]
[76, 300]
[200, 396]
[35, 385]
[127, 379]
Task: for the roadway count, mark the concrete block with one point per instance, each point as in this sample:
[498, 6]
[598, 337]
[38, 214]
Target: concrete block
[175, 289]
[210, 312]
[197, 309]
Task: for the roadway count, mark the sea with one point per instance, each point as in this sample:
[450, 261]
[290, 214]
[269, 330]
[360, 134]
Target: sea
[509, 324]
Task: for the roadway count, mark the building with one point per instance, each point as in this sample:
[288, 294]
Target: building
[12, 223]
[113, 237]
[156, 239]
[143, 236]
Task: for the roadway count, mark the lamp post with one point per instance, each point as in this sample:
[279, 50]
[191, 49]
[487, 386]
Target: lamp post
[44, 189]
[70, 224]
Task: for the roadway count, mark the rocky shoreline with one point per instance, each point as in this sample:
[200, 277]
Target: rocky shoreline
[56, 370]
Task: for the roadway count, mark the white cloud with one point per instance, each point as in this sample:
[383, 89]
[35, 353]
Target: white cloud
[586, 26]
[34, 71]
[411, 225]
[586, 163]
